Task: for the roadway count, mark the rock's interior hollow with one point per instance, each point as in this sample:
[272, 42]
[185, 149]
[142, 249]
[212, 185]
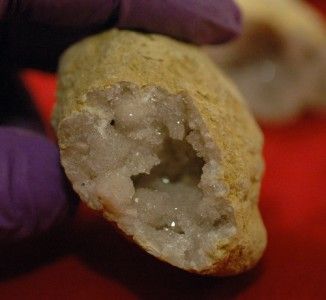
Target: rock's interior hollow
[145, 158]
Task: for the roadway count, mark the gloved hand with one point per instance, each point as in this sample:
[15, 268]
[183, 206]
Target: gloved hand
[34, 193]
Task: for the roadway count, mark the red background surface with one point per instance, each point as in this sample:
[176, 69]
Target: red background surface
[89, 260]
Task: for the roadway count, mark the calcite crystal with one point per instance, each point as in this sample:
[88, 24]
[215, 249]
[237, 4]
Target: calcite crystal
[152, 135]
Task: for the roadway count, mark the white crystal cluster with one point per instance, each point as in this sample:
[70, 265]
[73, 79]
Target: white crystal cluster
[145, 158]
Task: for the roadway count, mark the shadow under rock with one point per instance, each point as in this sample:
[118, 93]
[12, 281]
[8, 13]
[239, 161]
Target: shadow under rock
[104, 250]
[24, 256]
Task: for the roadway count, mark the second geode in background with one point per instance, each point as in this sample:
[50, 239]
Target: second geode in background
[279, 62]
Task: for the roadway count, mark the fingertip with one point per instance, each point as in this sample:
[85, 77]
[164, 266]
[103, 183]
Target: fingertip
[34, 193]
[199, 22]
[219, 24]
[222, 31]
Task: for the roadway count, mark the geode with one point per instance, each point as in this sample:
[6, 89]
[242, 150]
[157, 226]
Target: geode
[153, 135]
[279, 62]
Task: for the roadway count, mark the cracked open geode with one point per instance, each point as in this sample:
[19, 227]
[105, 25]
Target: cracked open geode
[279, 61]
[152, 135]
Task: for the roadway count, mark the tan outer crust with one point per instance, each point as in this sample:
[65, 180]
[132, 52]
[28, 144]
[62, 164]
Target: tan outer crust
[101, 61]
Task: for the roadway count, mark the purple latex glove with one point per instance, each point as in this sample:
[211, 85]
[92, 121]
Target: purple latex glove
[33, 191]
[209, 21]
[34, 194]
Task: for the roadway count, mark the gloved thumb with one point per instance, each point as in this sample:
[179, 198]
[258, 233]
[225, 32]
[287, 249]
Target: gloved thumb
[34, 194]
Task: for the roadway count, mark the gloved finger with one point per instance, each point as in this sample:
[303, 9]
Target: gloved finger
[34, 195]
[200, 22]
[206, 21]
[63, 22]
